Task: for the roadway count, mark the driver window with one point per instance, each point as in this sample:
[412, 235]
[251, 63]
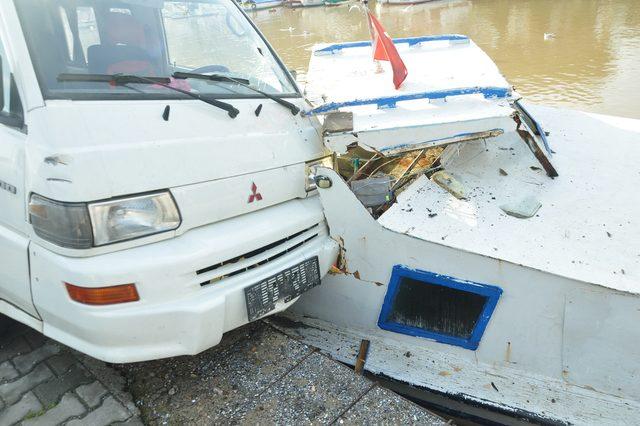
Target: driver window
[10, 105]
[109, 40]
[190, 27]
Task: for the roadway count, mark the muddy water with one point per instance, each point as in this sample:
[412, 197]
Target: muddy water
[590, 59]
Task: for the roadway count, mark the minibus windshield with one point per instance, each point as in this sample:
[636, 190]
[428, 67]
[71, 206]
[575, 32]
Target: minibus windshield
[149, 38]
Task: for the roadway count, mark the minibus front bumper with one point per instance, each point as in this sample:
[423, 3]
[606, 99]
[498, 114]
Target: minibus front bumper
[191, 287]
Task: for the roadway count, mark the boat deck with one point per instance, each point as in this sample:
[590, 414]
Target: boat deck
[587, 227]
[258, 375]
[340, 73]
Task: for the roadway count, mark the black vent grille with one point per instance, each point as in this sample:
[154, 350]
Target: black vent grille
[256, 253]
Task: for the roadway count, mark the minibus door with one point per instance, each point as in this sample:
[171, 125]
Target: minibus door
[15, 289]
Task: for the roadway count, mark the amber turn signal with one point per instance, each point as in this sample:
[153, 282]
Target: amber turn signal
[103, 295]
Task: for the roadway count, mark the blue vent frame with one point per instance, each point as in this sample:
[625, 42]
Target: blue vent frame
[491, 292]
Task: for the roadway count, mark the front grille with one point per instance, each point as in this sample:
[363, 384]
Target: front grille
[258, 257]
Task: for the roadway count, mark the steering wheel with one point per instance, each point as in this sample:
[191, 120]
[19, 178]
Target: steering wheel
[210, 68]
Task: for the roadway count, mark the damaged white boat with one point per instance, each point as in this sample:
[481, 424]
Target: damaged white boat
[486, 257]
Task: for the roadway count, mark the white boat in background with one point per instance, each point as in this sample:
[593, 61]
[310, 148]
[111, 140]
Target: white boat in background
[403, 2]
[335, 2]
[304, 3]
[251, 5]
[483, 259]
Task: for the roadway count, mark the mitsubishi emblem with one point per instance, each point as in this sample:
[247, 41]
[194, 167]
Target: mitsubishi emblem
[255, 195]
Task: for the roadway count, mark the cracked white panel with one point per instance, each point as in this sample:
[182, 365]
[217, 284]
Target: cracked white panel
[351, 74]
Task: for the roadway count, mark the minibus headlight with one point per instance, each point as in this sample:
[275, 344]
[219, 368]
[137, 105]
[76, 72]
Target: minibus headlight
[128, 218]
[309, 171]
[82, 225]
[63, 224]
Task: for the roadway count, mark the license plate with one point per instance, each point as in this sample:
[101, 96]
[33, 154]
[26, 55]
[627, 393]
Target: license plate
[261, 298]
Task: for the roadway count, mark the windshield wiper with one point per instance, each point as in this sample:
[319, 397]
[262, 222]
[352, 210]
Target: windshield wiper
[124, 79]
[239, 81]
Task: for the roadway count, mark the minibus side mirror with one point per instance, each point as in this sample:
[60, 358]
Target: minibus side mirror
[294, 74]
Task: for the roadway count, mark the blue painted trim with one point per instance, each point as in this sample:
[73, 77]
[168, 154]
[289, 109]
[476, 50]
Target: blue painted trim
[411, 41]
[391, 101]
[492, 293]
[539, 128]
[408, 145]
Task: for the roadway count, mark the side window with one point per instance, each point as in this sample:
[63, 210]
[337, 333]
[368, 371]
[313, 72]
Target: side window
[10, 105]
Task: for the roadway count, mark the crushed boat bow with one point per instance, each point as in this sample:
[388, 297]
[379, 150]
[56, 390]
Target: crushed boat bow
[484, 256]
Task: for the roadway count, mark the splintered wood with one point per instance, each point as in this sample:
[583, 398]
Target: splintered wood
[362, 356]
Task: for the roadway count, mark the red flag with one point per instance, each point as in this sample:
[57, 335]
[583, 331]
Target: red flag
[385, 50]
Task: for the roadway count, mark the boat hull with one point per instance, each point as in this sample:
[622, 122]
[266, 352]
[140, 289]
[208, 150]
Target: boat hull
[554, 320]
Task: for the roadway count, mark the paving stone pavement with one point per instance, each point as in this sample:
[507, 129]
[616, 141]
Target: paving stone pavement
[259, 376]
[45, 383]
[256, 375]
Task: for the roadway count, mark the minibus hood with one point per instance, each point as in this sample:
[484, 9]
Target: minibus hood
[93, 150]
